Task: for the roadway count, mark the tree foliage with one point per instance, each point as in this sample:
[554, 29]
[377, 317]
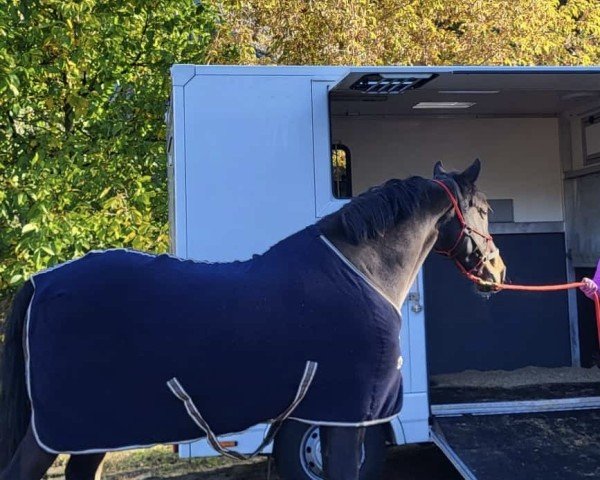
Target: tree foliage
[83, 86]
[416, 32]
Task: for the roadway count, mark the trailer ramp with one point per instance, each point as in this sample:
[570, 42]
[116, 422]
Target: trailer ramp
[555, 445]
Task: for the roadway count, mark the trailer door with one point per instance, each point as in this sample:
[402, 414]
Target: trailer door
[243, 160]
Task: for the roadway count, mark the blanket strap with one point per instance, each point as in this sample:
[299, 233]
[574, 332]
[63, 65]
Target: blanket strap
[181, 394]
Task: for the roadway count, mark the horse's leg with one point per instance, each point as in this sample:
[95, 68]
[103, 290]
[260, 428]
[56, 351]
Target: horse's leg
[85, 467]
[30, 462]
[341, 450]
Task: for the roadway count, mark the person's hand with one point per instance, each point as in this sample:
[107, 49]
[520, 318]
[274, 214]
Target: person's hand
[589, 287]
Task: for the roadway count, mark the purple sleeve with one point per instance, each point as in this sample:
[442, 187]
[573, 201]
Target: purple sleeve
[597, 274]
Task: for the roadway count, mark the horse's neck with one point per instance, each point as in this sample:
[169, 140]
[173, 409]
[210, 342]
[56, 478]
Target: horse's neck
[393, 261]
[393, 269]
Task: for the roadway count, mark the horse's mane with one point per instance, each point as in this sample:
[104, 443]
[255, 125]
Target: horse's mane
[378, 209]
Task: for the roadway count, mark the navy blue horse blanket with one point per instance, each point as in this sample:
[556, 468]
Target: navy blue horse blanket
[106, 332]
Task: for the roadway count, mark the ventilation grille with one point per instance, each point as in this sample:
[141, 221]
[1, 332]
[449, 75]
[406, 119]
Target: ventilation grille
[390, 84]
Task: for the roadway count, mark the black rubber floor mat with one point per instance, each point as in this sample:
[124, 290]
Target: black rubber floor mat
[532, 446]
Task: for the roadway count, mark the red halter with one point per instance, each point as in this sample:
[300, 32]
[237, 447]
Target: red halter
[467, 232]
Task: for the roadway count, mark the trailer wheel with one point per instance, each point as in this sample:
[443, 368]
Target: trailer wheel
[297, 452]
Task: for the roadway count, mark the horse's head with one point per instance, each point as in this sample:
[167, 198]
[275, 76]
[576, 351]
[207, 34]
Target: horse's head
[463, 230]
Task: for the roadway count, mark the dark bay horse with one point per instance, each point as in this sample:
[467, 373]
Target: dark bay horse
[384, 234]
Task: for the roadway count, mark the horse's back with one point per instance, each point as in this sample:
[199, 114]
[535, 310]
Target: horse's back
[127, 274]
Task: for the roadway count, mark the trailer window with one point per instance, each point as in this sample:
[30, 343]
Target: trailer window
[341, 171]
[591, 139]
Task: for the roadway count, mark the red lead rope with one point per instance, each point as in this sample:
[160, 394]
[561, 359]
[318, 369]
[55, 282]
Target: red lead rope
[539, 288]
[553, 288]
[503, 286]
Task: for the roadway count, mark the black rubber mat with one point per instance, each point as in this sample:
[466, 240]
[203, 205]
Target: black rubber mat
[532, 446]
[443, 395]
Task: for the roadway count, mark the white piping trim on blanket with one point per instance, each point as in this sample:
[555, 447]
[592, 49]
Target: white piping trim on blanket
[192, 410]
[358, 272]
[366, 423]
[120, 249]
[27, 367]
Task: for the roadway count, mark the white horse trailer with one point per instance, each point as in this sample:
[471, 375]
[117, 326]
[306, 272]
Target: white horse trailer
[257, 153]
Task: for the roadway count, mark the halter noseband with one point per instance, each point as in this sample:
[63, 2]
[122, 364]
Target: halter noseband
[466, 232]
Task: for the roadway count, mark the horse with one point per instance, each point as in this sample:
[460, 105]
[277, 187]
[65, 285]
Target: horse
[368, 253]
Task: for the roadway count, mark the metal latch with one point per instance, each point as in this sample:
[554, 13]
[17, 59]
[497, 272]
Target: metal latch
[415, 299]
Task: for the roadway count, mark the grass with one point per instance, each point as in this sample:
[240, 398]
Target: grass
[158, 463]
[133, 463]
[409, 462]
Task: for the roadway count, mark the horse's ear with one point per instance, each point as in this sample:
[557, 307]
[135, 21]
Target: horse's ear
[438, 170]
[472, 173]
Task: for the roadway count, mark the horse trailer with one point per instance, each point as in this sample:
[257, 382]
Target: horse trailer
[256, 153]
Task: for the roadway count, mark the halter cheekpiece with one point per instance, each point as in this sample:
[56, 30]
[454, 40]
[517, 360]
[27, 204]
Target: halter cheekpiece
[466, 232]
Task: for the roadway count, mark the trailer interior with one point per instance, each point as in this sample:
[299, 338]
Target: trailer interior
[515, 357]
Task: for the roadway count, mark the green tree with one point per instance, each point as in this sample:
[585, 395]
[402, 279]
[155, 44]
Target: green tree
[83, 88]
[83, 85]
[415, 32]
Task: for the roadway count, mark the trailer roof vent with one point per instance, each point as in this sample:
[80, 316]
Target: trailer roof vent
[391, 83]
